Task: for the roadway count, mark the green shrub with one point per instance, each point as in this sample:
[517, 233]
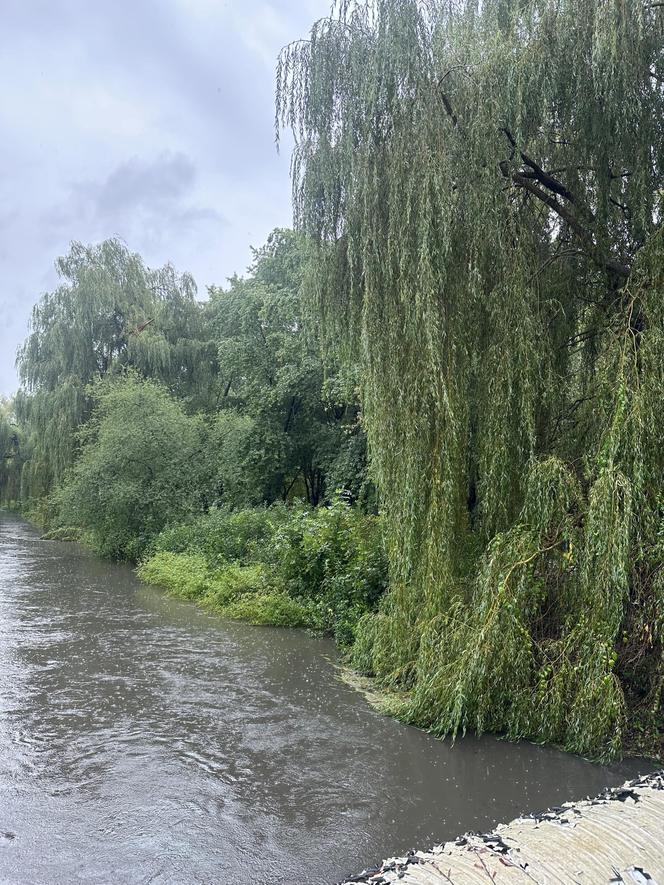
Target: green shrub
[236, 591]
[183, 574]
[233, 582]
[62, 533]
[332, 559]
[321, 568]
[223, 535]
[275, 609]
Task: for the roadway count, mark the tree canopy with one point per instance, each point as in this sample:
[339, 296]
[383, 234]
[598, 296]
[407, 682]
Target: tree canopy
[483, 183]
[11, 453]
[270, 423]
[109, 312]
[139, 468]
[295, 428]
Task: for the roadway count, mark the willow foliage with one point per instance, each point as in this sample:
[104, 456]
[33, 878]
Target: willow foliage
[11, 454]
[110, 311]
[484, 185]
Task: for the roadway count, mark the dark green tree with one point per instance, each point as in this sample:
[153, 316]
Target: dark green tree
[483, 183]
[293, 430]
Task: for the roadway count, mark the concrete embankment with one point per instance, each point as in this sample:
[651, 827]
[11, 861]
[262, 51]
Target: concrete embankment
[616, 837]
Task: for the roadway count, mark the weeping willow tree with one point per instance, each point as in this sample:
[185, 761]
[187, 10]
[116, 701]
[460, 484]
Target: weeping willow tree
[12, 454]
[483, 184]
[109, 312]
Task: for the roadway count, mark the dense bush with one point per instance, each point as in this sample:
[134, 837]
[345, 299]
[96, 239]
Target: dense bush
[183, 573]
[333, 559]
[223, 535]
[244, 592]
[290, 566]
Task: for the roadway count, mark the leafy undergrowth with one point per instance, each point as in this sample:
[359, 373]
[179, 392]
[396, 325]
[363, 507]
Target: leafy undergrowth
[322, 569]
[237, 591]
[62, 533]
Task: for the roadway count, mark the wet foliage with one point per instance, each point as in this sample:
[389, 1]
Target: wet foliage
[483, 186]
[322, 568]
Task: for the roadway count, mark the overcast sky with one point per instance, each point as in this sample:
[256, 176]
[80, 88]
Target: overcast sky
[150, 120]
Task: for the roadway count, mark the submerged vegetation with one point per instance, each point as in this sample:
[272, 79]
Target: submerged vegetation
[452, 373]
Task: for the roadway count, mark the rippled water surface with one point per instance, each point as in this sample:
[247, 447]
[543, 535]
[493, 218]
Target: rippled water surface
[142, 740]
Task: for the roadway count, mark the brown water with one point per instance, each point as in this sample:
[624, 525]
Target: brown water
[142, 740]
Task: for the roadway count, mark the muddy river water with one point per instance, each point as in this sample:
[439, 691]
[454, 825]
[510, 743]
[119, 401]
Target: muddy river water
[144, 740]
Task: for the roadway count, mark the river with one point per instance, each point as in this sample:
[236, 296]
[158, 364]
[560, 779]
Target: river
[143, 740]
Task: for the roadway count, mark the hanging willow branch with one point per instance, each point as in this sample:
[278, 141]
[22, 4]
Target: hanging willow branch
[483, 184]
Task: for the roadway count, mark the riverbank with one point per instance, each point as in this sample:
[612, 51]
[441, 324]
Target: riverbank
[323, 570]
[320, 570]
[616, 837]
[285, 566]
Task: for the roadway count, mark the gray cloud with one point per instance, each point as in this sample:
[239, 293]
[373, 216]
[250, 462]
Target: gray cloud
[137, 183]
[147, 202]
[145, 119]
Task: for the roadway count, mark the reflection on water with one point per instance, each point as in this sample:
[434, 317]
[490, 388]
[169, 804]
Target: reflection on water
[142, 740]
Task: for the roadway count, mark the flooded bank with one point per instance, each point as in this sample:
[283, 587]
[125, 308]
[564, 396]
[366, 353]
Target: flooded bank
[143, 740]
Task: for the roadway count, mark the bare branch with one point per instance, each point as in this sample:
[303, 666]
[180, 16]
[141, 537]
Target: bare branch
[605, 262]
[543, 177]
[448, 108]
